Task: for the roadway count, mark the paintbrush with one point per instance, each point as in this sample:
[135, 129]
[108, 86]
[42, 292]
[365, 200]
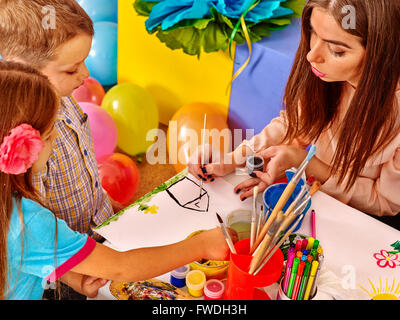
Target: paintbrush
[260, 223]
[226, 234]
[203, 137]
[287, 234]
[253, 229]
[305, 188]
[294, 213]
[287, 221]
[273, 229]
[283, 199]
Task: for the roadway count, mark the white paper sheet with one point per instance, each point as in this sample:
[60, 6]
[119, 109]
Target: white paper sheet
[179, 212]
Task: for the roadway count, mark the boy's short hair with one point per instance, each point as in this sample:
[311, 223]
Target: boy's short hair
[32, 30]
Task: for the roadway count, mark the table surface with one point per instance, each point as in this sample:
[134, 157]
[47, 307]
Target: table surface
[356, 264]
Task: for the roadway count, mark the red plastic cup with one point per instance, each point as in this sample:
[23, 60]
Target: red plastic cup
[241, 285]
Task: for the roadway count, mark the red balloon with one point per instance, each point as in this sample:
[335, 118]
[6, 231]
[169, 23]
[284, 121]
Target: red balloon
[119, 176]
[90, 91]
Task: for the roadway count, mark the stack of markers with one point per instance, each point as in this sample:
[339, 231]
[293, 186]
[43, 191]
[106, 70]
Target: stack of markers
[302, 269]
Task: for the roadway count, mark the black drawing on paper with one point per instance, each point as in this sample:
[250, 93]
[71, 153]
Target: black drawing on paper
[186, 193]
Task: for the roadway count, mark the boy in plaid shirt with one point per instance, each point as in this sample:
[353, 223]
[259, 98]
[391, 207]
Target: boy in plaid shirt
[70, 183]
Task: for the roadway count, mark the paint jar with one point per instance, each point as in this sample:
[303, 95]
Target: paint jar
[282, 296]
[178, 276]
[213, 269]
[195, 281]
[254, 163]
[240, 221]
[240, 284]
[213, 290]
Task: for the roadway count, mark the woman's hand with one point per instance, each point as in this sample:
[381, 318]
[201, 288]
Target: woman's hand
[246, 187]
[279, 159]
[217, 163]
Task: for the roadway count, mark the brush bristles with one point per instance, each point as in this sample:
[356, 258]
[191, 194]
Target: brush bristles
[315, 187]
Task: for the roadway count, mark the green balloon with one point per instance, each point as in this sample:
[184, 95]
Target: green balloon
[135, 113]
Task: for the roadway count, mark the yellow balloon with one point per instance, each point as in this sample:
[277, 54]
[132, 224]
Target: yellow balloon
[134, 113]
[185, 129]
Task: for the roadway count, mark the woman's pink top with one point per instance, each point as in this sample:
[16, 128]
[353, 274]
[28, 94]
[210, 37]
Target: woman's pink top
[376, 190]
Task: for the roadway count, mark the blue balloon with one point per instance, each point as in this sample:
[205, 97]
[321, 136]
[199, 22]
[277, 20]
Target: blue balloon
[101, 10]
[103, 57]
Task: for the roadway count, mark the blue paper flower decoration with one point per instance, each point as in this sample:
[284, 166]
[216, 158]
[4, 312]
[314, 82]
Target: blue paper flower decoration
[196, 25]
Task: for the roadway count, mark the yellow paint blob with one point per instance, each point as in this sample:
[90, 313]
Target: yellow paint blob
[196, 278]
[385, 296]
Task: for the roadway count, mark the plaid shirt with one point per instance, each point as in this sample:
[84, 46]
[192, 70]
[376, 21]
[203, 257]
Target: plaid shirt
[70, 183]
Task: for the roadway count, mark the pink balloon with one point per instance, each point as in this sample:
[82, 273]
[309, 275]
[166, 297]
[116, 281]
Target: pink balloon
[104, 130]
[90, 91]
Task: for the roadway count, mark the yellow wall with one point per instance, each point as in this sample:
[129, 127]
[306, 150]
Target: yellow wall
[172, 77]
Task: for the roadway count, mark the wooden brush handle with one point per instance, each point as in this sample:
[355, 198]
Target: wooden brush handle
[278, 207]
[290, 209]
[264, 231]
[260, 253]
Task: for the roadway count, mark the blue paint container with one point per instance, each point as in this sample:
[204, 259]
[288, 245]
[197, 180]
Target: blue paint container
[274, 192]
[178, 276]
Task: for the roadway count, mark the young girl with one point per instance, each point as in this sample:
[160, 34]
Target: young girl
[34, 245]
[343, 96]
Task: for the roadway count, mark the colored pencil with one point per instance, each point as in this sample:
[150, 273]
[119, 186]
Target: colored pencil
[304, 244]
[314, 267]
[226, 234]
[289, 264]
[313, 227]
[304, 280]
[310, 243]
[296, 263]
[297, 281]
[314, 286]
[298, 245]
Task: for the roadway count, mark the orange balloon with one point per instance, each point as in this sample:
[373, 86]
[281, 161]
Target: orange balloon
[185, 132]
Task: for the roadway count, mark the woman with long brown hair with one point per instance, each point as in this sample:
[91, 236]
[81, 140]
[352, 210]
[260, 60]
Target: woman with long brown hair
[342, 95]
[34, 244]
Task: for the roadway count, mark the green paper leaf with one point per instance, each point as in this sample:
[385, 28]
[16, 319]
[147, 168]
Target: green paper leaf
[295, 5]
[202, 23]
[215, 37]
[280, 22]
[144, 8]
[188, 39]
[197, 23]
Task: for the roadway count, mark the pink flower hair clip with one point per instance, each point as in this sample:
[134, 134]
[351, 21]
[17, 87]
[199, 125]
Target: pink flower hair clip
[20, 149]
